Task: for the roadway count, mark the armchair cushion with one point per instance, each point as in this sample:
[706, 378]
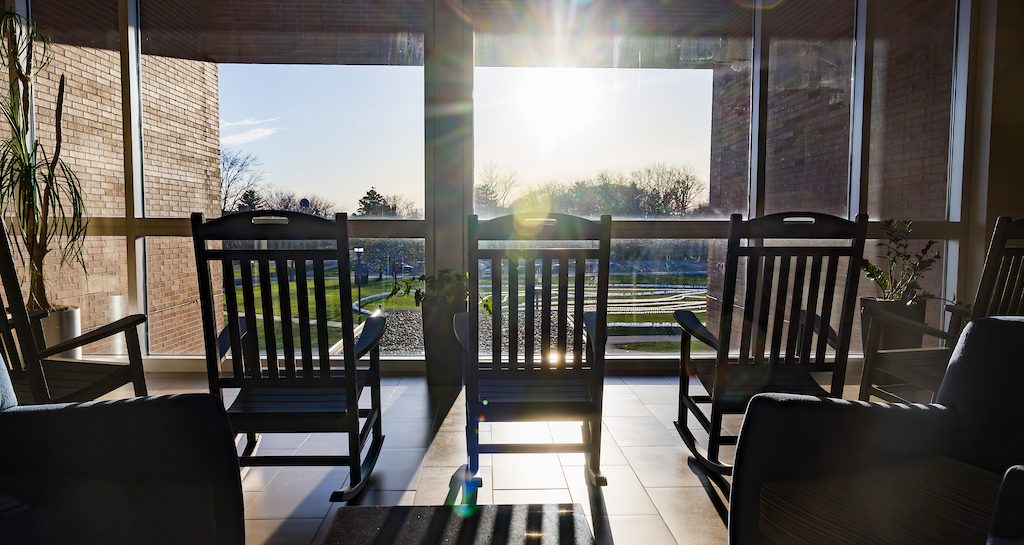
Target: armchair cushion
[934, 500]
[801, 437]
[101, 472]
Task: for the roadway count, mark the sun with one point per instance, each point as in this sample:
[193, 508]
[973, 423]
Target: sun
[557, 104]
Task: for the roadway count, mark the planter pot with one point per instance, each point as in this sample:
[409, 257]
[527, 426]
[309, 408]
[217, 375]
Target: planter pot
[894, 337]
[61, 326]
[444, 359]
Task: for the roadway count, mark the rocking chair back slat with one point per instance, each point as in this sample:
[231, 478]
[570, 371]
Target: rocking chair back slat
[578, 304]
[832, 271]
[513, 308]
[496, 335]
[302, 301]
[234, 329]
[530, 321]
[287, 339]
[563, 309]
[267, 302]
[545, 310]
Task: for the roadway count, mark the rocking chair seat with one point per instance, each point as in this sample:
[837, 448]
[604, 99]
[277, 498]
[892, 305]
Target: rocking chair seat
[542, 397]
[320, 408]
[72, 381]
[746, 380]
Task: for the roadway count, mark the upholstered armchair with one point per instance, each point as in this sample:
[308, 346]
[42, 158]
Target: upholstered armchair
[143, 470]
[816, 470]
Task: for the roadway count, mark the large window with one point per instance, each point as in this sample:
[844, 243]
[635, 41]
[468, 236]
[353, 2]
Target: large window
[596, 110]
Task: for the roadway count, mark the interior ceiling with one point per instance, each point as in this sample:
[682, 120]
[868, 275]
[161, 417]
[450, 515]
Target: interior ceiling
[370, 31]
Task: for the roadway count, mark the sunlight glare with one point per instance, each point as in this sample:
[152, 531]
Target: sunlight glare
[558, 103]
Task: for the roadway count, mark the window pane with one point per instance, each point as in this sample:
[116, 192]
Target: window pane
[910, 108]
[649, 280]
[172, 297]
[382, 263]
[808, 119]
[87, 54]
[624, 125]
[347, 138]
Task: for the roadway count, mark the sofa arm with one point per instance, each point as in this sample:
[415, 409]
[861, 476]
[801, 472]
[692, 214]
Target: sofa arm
[1007, 523]
[795, 436]
[180, 439]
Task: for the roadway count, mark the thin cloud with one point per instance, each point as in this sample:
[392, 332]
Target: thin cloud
[248, 136]
[247, 122]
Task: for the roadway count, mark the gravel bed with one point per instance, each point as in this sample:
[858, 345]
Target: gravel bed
[404, 333]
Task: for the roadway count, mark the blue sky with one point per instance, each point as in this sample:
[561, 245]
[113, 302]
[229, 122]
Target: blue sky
[338, 130]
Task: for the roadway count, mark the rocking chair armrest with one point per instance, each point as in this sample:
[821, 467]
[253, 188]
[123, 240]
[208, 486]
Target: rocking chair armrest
[962, 309]
[692, 325]
[787, 436]
[37, 315]
[907, 324]
[590, 326]
[100, 333]
[372, 331]
[224, 339]
[832, 337]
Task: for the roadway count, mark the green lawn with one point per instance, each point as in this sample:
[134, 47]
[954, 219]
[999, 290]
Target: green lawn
[332, 298]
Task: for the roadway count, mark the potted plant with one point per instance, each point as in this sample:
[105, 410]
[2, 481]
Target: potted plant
[38, 190]
[442, 297]
[898, 281]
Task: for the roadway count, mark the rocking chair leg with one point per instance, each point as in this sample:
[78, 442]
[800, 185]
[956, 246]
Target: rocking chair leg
[472, 481]
[252, 440]
[131, 338]
[592, 434]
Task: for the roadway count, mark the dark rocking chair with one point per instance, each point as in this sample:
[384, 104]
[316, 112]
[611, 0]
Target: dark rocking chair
[794, 263]
[1000, 293]
[278, 340]
[548, 256]
[38, 372]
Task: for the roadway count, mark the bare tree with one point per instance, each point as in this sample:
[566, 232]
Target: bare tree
[401, 206]
[239, 172]
[494, 187]
[667, 190]
[282, 199]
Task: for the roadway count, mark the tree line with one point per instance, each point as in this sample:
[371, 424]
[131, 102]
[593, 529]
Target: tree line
[656, 190]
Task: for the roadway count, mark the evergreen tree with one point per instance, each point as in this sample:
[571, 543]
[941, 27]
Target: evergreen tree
[250, 200]
[375, 205]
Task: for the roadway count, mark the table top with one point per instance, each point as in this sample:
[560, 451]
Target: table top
[543, 524]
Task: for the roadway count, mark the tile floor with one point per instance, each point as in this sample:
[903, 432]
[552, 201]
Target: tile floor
[654, 495]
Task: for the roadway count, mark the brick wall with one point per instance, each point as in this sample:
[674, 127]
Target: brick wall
[92, 146]
[181, 149]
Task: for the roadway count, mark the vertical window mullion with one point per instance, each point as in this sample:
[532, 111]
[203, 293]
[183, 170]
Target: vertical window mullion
[758, 115]
[131, 119]
[860, 112]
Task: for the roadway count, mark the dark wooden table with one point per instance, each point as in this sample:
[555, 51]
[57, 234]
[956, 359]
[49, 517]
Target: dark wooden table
[550, 524]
